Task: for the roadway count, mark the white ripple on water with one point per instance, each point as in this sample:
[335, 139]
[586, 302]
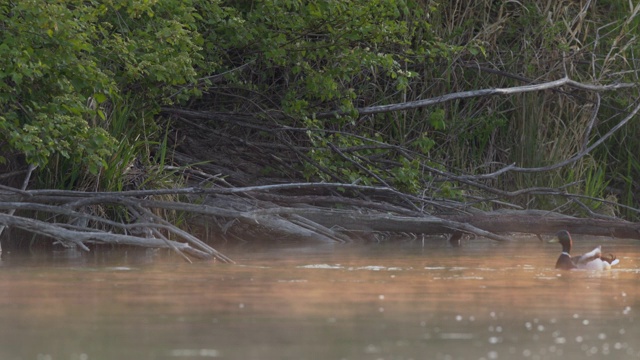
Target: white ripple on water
[456, 336]
[321, 266]
[352, 268]
[194, 353]
[458, 278]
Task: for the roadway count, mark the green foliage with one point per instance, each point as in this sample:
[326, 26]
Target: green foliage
[81, 83]
[424, 144]
[595, 186]
[45, 82]
[62, 61]
[317, 55]
[436, 119]
[152, 46]
[407, 175]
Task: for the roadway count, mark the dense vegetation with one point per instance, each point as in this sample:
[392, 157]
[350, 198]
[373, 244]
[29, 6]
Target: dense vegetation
[84, 86]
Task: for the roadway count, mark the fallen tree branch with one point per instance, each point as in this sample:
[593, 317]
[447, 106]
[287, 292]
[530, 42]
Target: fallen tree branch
[301, 223]
[571, 160]
[79, 238]
[25, 183]
[478, 93]
[63, 231]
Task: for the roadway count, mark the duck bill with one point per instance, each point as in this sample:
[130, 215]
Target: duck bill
[554, 240]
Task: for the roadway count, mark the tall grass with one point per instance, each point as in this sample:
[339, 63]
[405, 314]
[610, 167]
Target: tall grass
[139, 162]
[523, 42]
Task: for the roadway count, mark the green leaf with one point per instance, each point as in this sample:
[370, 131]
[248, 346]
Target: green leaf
[100, 97]
[436, 119]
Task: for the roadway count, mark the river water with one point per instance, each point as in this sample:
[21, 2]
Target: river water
[402, 300]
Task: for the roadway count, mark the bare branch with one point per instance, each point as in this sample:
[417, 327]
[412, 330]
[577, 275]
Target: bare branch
[477, 93]
[25, 183]
[568, 161]
[79, 238]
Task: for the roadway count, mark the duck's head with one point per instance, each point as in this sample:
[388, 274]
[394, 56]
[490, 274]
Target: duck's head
[564, 238]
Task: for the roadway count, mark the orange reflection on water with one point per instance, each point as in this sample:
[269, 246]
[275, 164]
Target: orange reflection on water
[343, 301]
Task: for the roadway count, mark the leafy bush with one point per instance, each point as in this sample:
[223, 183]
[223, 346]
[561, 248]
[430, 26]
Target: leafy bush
[63, 62]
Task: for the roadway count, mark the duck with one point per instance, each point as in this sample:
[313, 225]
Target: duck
[593, 260]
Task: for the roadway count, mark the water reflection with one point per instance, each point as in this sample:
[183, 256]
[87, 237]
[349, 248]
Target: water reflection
[391, 301]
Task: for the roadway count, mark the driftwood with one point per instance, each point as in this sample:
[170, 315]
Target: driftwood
[236, 208]
[541, 222]
[79, 238]
[493, 225]
[70, 226]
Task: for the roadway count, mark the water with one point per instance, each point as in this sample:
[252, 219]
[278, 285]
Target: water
[294, 301]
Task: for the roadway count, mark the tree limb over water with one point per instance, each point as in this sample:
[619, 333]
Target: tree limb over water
[282, 215]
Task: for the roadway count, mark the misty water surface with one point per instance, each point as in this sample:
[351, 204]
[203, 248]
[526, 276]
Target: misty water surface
[295, 301]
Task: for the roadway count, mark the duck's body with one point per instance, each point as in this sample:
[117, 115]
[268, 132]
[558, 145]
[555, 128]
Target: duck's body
[593, 260]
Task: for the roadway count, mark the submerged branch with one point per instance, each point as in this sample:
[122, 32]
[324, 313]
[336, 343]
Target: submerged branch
[304, 222]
